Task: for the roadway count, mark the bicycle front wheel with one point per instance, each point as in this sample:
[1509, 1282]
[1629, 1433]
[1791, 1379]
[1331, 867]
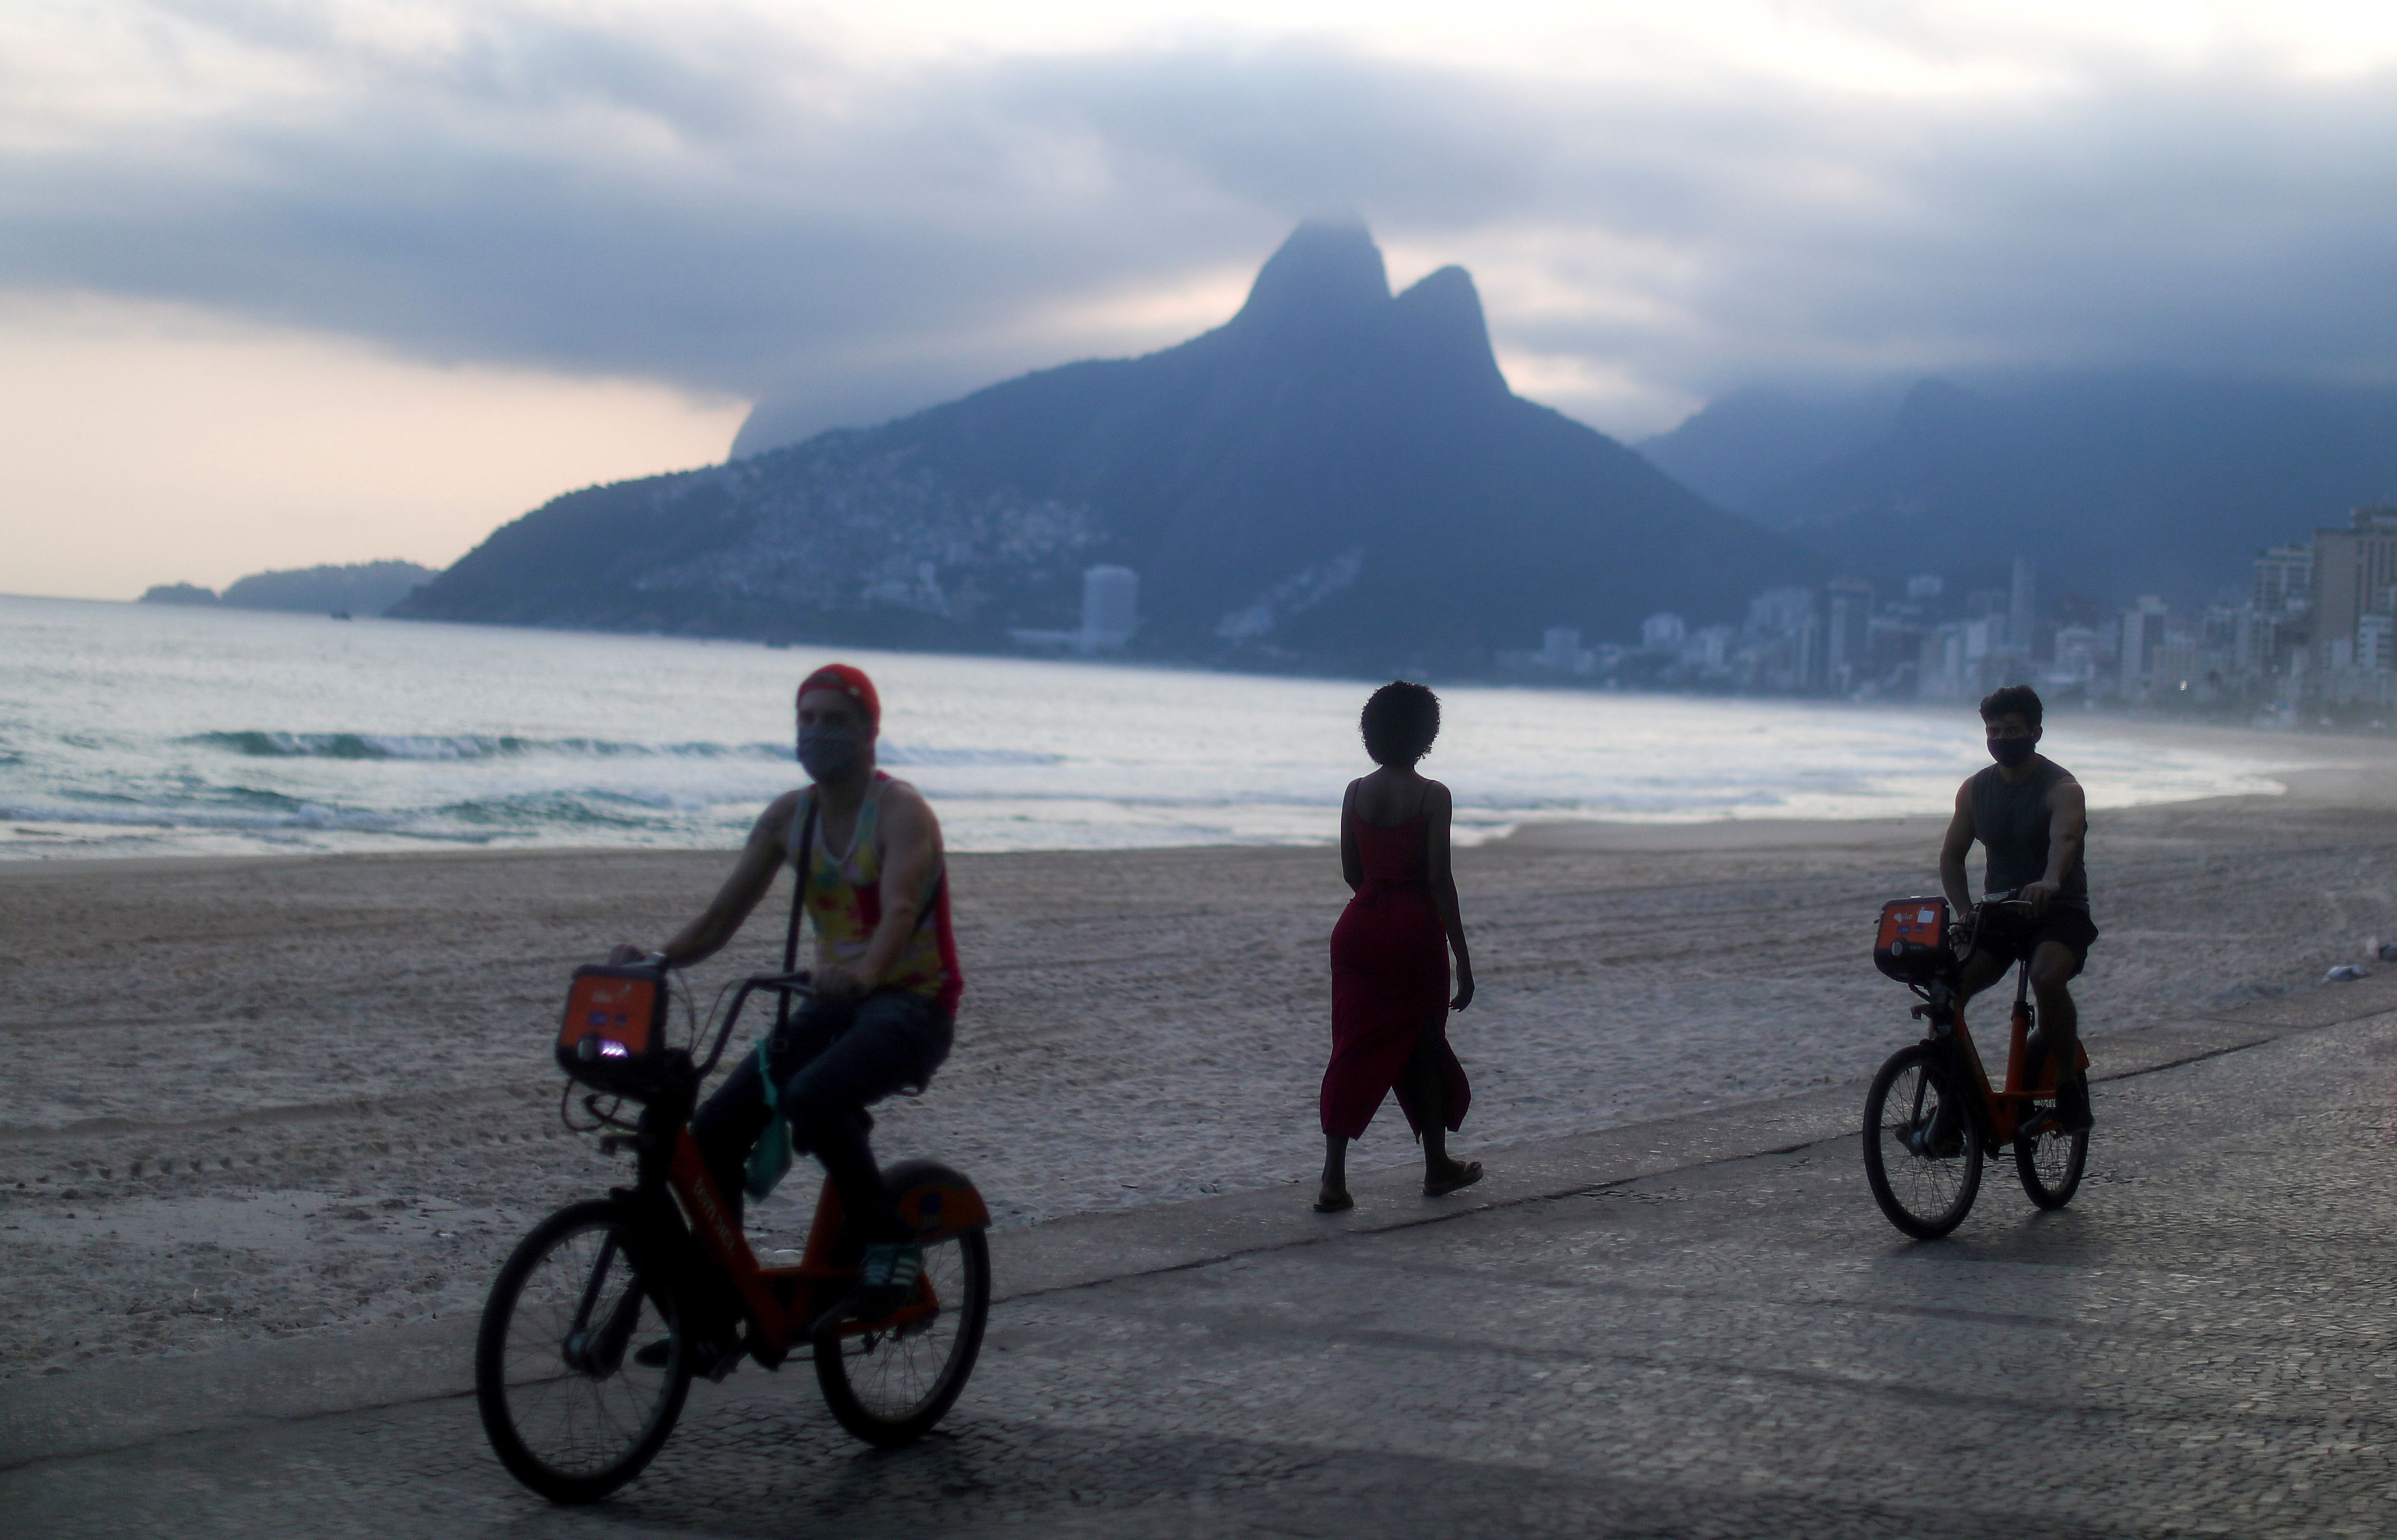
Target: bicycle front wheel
[1923, 1149]
[888, 1388]
[2050, 1166]
[580, 1369]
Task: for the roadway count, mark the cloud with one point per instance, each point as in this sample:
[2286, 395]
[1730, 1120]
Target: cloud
[147, 443]
[748, 201]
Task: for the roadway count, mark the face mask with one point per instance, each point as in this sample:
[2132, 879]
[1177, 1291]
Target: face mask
[829, 753]
[2012, 752]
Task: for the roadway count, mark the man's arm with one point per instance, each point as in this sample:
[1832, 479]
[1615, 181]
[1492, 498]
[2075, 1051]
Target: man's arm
[911, 861]
[2067, 829]
[753, 874]
[1953, 848]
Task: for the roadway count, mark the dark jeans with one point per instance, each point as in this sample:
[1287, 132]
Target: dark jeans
[830, 1059]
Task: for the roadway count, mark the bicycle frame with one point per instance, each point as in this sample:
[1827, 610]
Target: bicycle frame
[781, 1305]
[2004, 1112]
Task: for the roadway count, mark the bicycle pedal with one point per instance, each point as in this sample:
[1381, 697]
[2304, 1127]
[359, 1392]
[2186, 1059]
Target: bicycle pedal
[827, 1324]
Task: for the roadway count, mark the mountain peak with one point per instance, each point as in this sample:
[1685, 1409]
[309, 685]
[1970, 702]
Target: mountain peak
[1445, 333]
[1327, 272]
[1335, 478]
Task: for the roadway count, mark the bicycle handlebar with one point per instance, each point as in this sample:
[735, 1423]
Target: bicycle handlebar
[781, 983]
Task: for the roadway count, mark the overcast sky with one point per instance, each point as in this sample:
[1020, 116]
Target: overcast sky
[293, 281]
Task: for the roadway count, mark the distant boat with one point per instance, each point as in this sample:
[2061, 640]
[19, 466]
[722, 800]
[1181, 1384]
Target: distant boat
[340, 614]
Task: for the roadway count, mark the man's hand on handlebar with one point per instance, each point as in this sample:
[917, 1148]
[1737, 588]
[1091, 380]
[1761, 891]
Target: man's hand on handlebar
[2037, 894]
[625, 953]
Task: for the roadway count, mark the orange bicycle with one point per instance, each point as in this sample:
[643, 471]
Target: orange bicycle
[1932, 1115]
[598, 1322]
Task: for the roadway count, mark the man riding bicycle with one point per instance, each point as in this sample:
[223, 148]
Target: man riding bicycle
[2029, 815]
[885, 985]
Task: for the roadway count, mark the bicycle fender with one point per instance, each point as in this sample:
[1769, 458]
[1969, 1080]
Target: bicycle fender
[937, 1200]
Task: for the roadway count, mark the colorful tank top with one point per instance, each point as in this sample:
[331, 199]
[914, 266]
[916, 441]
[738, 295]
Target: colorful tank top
[844, 900]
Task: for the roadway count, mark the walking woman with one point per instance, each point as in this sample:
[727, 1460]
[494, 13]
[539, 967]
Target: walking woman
[1389, 954]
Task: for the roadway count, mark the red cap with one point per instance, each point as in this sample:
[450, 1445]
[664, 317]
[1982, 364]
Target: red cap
[850, 682]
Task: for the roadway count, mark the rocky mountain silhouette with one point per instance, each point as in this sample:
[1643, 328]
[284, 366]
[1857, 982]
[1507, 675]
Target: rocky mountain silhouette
[1750, 444]
[1335, 478]
[359, 588]
[2118, 484]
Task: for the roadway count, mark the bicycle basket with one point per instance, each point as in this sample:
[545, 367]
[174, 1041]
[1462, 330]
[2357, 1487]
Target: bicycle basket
[1912, 945]
[614, 1035]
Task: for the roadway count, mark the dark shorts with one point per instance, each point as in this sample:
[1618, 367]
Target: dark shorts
[2068, 925]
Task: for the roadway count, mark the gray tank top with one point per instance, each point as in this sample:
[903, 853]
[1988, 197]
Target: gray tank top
[2011, 821]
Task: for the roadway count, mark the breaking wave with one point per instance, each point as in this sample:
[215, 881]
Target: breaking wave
[256, 743]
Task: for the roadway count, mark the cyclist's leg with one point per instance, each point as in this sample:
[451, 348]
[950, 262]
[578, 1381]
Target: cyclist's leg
[2053, 964]
[1987, 964]
[894, 1040]
[1983, 968]
[727, 1123]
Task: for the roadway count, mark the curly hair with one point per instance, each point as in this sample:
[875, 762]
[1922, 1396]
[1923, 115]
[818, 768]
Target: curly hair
[2012, 699]
[1400, 722]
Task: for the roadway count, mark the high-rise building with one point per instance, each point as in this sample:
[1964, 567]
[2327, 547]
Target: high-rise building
[1786, 634]
[2352, 571]
[2284, 578]
[1110, 606]
[1846, 647]
[2023, 604]
[1662, 632]
[2076, 654]
[2373, 642]
[2143, 632]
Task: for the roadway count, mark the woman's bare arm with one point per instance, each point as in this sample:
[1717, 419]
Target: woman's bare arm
[1352, 865]
[1442, 875]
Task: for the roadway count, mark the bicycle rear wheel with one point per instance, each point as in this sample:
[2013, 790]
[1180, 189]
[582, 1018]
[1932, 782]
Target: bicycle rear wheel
[889, 1387]
[2050, 1166]
[567, 1401]
[1923, 1145]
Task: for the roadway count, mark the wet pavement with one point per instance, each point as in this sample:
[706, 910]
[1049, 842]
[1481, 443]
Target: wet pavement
[1703, 1328]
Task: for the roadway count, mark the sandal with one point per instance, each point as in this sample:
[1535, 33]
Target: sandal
[1463, 1176]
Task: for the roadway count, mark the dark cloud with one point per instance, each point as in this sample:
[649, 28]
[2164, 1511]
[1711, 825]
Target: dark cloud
[710, 199]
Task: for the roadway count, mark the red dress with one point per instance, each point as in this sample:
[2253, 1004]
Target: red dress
[1389, 984]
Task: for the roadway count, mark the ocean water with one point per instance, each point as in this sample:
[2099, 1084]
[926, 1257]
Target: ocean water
[131, 730]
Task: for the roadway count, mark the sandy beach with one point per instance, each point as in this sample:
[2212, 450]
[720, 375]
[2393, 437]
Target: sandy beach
[258, 1096]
